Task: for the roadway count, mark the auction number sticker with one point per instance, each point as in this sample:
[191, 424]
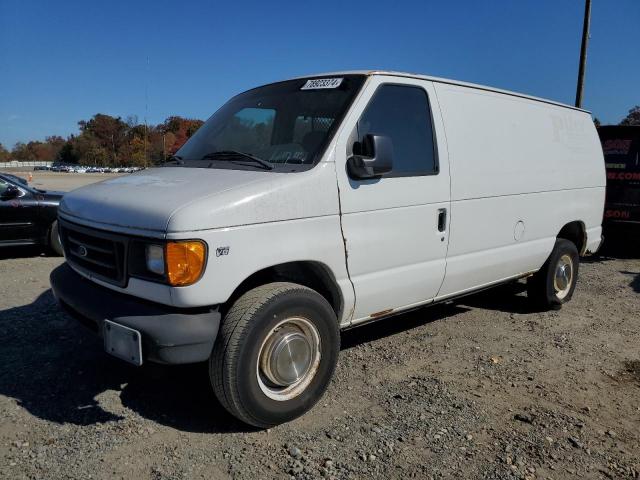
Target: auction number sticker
[322, 83]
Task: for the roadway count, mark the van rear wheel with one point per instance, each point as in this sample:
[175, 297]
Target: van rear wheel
[275, 354]
[555, 282]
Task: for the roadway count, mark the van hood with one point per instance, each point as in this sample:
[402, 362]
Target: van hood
[179, 199]
[145, 200]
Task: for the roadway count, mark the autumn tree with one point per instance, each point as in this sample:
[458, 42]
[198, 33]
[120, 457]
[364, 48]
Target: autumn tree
[21, 152]
[105, 140]
[181, 129]
[46, 151]
[5, 156]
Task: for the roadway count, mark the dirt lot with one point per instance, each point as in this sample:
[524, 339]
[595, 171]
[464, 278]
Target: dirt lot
[61, 181]
[484, 388]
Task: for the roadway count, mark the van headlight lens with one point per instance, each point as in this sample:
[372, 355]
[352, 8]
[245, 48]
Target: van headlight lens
[185, 261]
[154, 255]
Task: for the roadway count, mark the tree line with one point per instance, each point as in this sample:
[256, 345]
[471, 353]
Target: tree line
[109, 141]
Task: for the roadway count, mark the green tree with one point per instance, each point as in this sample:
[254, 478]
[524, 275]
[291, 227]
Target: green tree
[90, 151]
[107, 136]
[139, 150]
[67, 153]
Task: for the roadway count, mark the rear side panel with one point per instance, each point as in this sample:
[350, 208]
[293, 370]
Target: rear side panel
[520, 170]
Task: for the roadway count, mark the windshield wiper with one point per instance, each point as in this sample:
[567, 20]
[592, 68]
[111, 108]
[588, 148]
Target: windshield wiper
[232, 155]
[177, 159]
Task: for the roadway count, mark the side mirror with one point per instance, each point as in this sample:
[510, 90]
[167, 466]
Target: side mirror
[374, 158]
[10, 193]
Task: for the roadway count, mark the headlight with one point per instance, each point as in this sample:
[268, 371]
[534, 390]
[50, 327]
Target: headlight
[185, 261]
[154, 255]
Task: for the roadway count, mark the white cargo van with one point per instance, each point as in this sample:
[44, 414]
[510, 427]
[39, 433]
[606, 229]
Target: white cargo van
[312, 205]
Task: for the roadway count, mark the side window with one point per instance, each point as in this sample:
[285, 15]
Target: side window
[3, 186]
[402, 113]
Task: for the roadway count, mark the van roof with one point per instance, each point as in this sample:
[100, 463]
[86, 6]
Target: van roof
[444, 80]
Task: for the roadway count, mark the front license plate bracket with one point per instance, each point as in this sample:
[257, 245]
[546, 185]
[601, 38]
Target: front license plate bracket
[123, 342]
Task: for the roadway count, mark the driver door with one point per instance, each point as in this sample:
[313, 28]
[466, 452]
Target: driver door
[395, 226]
[17, 215]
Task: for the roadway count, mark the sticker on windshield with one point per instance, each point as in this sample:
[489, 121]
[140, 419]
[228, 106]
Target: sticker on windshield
[322, 83]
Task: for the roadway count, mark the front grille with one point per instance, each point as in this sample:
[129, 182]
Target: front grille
[100, 254]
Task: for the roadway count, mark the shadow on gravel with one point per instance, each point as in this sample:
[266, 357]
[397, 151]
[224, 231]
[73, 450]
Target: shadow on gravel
[508, 298]
[635, 283]
[398, 324]
[621, 242]
[57, 371]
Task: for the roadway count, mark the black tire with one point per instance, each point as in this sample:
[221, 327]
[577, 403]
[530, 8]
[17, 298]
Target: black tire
[233, 366]
[54, 245]
[543, 288]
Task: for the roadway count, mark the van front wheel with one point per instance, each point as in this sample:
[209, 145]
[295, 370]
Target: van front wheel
[555, 282]
[275, 354]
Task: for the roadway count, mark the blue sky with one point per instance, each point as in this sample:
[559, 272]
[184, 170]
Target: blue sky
[61, 62]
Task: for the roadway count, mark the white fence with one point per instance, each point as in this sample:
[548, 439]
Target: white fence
[16, 163]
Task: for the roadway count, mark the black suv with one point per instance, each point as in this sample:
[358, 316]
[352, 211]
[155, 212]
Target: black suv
[28, 215]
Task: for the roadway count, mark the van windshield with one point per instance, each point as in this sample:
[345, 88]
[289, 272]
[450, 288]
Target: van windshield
[283, 127]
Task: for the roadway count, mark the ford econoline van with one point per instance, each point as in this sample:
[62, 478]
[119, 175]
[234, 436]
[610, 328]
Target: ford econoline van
[308, 206]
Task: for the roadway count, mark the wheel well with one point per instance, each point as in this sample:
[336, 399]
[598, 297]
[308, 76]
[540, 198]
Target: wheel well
[576, 233]
[310, 274]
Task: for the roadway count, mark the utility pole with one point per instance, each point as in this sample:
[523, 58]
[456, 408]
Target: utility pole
[146, 113]
[583, 52]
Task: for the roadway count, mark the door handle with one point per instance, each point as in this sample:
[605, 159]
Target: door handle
[442, 219]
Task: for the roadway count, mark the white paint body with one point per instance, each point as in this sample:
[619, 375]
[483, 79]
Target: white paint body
[513, 171]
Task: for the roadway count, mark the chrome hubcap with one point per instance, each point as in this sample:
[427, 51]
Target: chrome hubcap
[288, 358]
[563, 276]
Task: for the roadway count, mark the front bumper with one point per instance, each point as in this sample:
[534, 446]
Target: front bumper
[169, 335]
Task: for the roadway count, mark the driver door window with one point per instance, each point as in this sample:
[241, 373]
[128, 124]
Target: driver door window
[401, 113]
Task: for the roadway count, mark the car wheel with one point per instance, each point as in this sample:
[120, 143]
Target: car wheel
[555, 282]
[275, 354]
[54, 240]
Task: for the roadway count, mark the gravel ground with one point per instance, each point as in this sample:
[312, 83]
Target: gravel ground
[483, 388]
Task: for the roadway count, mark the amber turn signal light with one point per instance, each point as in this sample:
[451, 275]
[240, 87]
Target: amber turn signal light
[185, 262]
